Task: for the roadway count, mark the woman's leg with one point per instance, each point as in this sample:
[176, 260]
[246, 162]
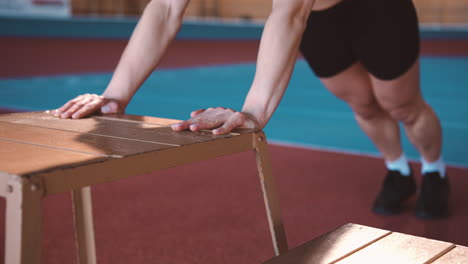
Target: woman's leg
[403, 100]
[354, 86]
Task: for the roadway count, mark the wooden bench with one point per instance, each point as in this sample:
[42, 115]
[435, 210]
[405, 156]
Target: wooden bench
[42, 155]
[357, 244]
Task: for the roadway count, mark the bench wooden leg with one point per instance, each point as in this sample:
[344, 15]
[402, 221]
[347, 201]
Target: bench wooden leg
[269, 194]
[84, 229]
[23, 222]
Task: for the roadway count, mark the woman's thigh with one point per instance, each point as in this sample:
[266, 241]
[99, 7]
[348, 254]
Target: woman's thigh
[353, 86]
[401, 97]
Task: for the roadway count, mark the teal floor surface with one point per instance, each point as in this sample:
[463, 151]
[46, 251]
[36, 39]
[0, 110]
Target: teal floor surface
[308, 115]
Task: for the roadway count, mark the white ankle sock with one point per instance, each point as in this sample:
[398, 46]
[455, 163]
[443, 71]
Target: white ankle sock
[435, 166]
[400, 164]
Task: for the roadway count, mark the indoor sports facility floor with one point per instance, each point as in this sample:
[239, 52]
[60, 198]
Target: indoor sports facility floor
[327, 171]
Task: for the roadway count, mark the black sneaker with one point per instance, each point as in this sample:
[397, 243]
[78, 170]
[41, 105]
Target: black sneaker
[433, 197]
[395, 190]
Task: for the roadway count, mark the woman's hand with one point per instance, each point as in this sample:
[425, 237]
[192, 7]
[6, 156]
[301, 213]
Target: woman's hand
[87, 104]
[221, 120]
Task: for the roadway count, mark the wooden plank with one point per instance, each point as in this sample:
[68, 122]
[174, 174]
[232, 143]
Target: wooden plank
[400, 248]
[270, 198]
[458, 255]
[47, 120]
[107, 127]
[332, 246]
[74, 141]
[23, 222]
[113, 169]
[140, 119]
[20, 159]
[160, 121]
[4, 178]
[122, 117]
[11, 117]
[84, 227]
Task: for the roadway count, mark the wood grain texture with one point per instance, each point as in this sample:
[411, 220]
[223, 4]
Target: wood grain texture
[23, 222]
[74, 141]
[84, 226]
[63, 155]
[332, 246]
[50, 149]
[140, 119]
[270, 197]
[114, 169]
[4, 178]
[400, 248]
[19, 158]
[146, 132]
[458, 255]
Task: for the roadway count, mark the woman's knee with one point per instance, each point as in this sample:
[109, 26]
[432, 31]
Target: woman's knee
[407, 113]
[363, 103]
[367, 111]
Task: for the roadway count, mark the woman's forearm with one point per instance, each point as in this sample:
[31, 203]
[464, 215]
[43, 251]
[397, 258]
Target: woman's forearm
[157, 27]
[276, 59]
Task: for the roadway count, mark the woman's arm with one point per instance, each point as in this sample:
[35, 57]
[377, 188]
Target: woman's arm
[276, 59]
[157, 27]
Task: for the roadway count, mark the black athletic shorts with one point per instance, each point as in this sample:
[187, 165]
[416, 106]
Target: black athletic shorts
[381, 34]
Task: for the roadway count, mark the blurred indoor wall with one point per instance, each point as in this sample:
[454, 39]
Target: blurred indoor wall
[429, 11]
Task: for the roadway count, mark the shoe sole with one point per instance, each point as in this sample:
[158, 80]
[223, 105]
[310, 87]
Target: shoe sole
[386, 211]
[428, 216]
[382, 210]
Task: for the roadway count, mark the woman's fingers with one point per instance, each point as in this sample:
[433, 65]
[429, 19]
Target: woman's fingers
[197, 112]
[81, 106]
[196, 124]
[238, 119]
[181, 126]
[88, 108]
[210, 118]
[200, 119]
[222, 120]
[58, 112]
[76, 107]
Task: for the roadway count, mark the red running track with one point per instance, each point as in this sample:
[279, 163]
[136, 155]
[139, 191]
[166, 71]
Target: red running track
[22, 56]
